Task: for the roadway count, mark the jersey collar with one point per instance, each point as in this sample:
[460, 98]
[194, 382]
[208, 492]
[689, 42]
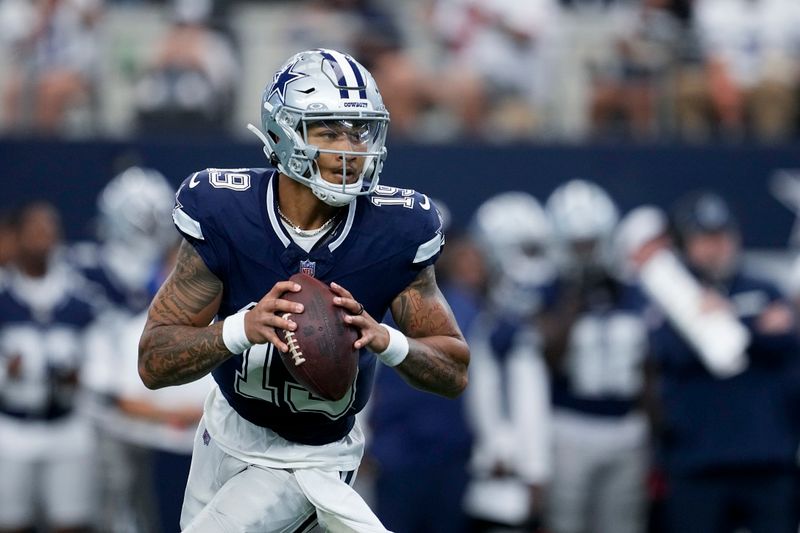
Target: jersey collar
[280, 231]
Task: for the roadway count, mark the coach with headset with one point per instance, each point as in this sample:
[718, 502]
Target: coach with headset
[729, 439]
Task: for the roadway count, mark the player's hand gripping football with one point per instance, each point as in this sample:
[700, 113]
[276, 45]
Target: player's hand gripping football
[372, 335]
[262, 320]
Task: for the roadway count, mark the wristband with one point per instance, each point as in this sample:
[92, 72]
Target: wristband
[397, 350]
[233, 334]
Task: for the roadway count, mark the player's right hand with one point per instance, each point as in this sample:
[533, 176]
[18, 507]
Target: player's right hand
[262, 320]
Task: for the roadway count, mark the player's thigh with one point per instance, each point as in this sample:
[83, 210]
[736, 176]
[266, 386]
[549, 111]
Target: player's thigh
[619, 492]
[210, 469]
[68, 490]
[17, 493]
[256, 500]
[574, 462]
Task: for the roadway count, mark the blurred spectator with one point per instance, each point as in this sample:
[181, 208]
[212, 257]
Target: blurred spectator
[508, 397]
[54, 75]
[729, 432]
[595, 340]
[325, 24]
[590, 4]
[752, 68]
[507, 45]
[626, 89]
[190, 84]
[46, 446]
[410, 91]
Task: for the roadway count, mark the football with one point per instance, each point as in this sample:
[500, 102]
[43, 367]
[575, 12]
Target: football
[321, 356]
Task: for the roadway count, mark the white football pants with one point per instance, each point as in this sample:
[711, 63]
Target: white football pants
[599, 470]
[227, 495]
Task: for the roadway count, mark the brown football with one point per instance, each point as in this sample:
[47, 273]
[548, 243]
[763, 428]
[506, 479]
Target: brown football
[321, 356]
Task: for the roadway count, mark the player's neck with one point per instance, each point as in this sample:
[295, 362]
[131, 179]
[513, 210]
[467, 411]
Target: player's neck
[297, 203]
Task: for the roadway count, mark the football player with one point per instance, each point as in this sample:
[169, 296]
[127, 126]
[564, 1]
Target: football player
[595, 340]
[135, 230]
[508, 400]
[46, 446]
[270, 456]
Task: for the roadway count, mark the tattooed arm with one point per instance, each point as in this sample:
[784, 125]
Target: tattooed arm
[438, 355]
[178, 345]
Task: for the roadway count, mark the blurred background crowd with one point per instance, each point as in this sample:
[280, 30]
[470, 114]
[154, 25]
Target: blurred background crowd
[635, 368]
[492, 70]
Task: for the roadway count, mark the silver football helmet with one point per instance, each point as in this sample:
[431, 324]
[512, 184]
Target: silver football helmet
[323, 86]
[583, 217]
[135, 209]
[512, 231]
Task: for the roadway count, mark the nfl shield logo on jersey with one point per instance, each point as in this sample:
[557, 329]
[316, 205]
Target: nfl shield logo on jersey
[308, 267]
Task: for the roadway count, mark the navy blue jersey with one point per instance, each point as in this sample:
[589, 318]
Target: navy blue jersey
[42, 325]
[378, 247]
[749, 420]
[602, 372]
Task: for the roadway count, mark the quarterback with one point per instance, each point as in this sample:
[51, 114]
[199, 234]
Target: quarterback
[269, 456]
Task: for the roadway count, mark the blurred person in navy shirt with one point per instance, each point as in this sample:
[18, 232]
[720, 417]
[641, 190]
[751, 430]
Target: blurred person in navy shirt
[421, 443]
[728, 444]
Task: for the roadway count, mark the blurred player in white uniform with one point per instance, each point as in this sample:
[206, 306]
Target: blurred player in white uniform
[595, 343]
[46, 447]
[509, 395]
[135, 230]
[162, 422]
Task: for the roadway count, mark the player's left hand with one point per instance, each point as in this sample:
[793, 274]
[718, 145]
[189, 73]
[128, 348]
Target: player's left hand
[373, 336]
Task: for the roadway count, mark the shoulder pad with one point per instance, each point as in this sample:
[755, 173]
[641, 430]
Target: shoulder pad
[204, 193]
[416, 215]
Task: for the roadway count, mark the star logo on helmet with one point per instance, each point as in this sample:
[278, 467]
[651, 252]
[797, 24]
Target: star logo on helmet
[282, 79]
